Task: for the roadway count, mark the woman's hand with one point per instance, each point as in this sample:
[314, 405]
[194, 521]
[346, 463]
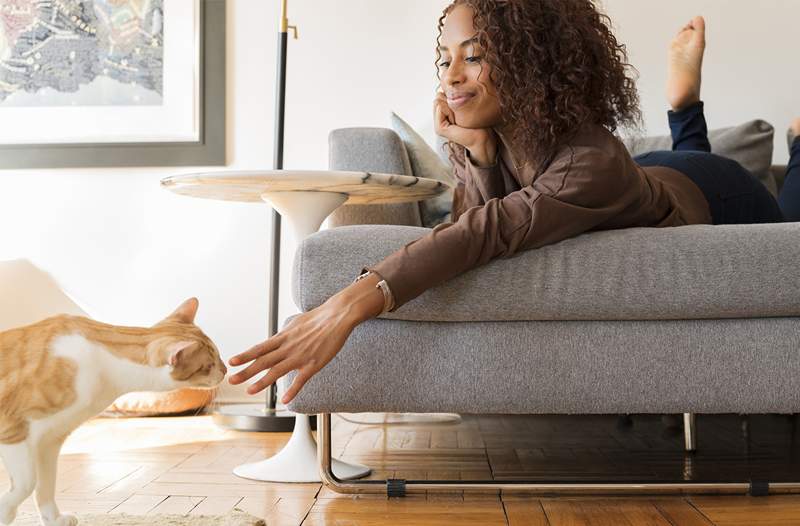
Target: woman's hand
[310, 340]
[480, 142]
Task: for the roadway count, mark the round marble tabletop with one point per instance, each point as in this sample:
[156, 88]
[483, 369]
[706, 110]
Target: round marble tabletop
[361, 187]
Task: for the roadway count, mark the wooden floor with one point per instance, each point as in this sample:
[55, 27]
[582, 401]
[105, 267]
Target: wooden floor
[183, 465]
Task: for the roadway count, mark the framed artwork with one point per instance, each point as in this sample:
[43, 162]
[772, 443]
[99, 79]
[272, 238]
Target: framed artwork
[88, 83]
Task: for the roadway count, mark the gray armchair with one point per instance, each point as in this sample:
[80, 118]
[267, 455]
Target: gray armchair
[694, 319]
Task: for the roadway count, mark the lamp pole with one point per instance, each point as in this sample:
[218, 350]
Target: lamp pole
[267, 417]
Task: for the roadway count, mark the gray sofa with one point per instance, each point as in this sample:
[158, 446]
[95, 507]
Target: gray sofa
[689, 320]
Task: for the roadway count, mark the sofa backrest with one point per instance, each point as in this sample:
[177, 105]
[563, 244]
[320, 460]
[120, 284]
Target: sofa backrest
[381, 150]
[371, 150]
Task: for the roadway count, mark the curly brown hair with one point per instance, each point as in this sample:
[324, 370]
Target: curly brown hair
[556, 66]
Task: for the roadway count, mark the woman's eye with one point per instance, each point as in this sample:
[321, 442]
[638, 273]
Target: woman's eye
[474, 60]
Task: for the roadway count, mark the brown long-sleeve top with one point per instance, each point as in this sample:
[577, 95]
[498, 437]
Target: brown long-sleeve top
[591, 184]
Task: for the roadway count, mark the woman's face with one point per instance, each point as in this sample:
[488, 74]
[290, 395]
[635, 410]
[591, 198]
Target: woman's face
[464, 74]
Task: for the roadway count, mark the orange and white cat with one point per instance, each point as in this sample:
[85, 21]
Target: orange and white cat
[58, 373]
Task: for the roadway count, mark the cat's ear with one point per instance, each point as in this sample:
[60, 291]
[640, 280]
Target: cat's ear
[186, 312]
[177, 352]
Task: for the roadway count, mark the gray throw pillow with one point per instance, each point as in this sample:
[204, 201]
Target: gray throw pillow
[750, 144]
[425, 163]
[442, 151]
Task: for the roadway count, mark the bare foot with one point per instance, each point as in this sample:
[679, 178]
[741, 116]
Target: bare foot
[686, 64]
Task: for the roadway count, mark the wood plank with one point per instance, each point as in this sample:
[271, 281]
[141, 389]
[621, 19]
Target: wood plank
[528, 512]
[216, 506]
[86, 504]
[176, 505]
[749, 511]
[602, 512]
[444, 438]
[258, 506]
[146, 474]
[229, 490]
[190, 477]
[289, 511]
[636, 512]
[681, 513]
[565, 513]
[139, 504]
[405, 511]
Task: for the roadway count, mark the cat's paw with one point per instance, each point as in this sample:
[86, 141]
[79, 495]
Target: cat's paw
[7, 514]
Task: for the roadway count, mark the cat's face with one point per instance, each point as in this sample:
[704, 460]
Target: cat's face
[192, 357]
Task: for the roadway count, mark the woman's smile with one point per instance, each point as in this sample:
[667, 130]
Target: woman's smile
[461, 99]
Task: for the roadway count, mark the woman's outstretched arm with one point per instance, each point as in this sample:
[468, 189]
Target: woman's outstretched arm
[311, 339]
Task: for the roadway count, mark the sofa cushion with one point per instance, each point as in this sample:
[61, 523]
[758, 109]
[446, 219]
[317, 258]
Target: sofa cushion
[568, 367]
[750, 144]
[687, 272]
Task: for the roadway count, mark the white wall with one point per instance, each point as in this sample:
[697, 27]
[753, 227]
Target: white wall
[129, 252]
[751, 68]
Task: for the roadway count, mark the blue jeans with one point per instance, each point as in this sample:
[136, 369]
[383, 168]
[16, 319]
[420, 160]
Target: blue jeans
[734, 195]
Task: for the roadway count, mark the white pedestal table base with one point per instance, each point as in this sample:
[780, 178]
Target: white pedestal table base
[297, 461]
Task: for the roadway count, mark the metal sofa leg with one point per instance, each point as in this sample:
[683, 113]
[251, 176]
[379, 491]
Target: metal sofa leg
[689, 432]
[399, 487]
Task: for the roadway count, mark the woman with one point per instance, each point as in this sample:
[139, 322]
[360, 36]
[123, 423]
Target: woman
[531, 91]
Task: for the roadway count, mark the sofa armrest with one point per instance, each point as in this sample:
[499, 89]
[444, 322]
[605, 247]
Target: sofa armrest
[371, 150]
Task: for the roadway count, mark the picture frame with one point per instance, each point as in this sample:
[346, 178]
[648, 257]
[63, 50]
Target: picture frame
[206, 146]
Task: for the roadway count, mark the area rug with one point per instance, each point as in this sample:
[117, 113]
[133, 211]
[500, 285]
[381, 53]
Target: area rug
[234, 518]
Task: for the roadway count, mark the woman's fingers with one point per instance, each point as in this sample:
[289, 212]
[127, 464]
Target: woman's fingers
[306, 344]
[260, 364]
[442, 111]
[257, 350]
[457, 134]
[272, 376]
[448, 113]
[297, 384]
[438, 117]
[444, 122]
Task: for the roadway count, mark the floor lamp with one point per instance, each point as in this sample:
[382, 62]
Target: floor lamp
[266, 417]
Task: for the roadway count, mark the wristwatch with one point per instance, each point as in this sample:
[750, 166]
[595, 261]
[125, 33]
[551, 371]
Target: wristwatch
[388, 297]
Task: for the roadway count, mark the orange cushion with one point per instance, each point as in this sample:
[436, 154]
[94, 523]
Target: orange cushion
[154, 403]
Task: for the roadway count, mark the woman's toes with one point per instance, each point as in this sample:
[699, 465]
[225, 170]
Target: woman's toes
[698, 23]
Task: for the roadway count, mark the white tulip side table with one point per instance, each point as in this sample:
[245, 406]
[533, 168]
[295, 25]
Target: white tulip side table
[305, 199]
